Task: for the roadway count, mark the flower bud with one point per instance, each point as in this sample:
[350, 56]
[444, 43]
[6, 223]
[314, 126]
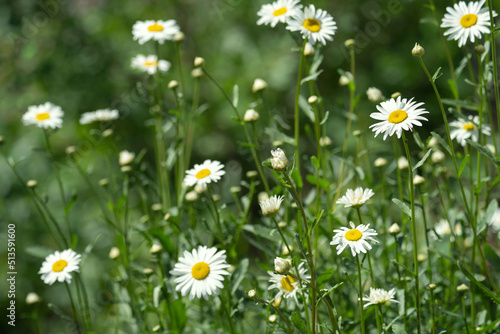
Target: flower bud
[191, 196]
[70, 150]
[126, 157]
[437, 157]
[417, 180]
[157, 207]
[417, 51]
[480, 48]
[235, 190]
[200, 188]
[107, 133]
[199, 61]
[402, 163]
[432, 142]
[279, 161]
[374, 94]
[126, 169]
[462, 288]
[312, 99]
[173, 84]
[31, 183]
[258, 85]
[166, 217]
[284, 250]
[179, 37]
[282, 266]
[394, 229]
[251, 115]
[147, 271]
[309, 50]
[395, 95]
[349, 43]
[380, 162]
[103, 182]
[196, 73]
[33, 298]
[252, 293]
[325, 141]
[114, 252]
[251, 174]
[156, 248]
[2, 140]
[431, 287]
[272, 318]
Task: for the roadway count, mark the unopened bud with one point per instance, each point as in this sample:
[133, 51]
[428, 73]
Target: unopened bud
[462, 288]
[394, 229]
[70, 150]
[431, 286]
[417, 180]
[199, 61]
[147, 271]
[417, 51]
[258, 85]
[33, 298]
[107, 133]
[31, 183]
[480, 48]
[156, 207]
[374, 94]
[349, 43]
[309, 50]
[197, 72]
[173, 84]
[114, 252]
[251, 115]
[282, 266]
[156, 248]
[272, 318]
[312, 99]
[251, 174]
[380, 162]
[252, 293]
[103, 182]
[437, 157]
[191, 196]
[179, 37]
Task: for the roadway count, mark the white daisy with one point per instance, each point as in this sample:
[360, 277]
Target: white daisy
[208, 171]
[396, 116]
[159, 31]
[464, 129]
[271, 205]
[45, 116]
[278, 11]
[101, 115]
[59, 266]
[466, 21]
[150, 64]
[314, 24]
[356, 237]
[288, 285]
[380, 296]
[443, 228]
[279, 160]
[200, 272]
[356, 198]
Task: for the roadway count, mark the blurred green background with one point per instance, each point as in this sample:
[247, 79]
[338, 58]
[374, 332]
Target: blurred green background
[76, 54]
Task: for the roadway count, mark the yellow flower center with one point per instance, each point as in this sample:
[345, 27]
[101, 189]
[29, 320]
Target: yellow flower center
[203, 173]
[155, 27]
[151, 63]
[398, 116]
[353, 235]
[287, 283]
[312, 25]
[279, 12]
[468, 127]
[200, 270]
[468, 20]
[58, 266]
[42, 116]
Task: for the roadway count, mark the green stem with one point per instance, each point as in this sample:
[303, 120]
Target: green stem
[360, 296]
[414, 230]
[464, 313]
[495, 68]
[217, 220]
[73, 307]
[297, 114]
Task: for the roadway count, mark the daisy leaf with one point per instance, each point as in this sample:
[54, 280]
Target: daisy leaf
[421, 162]
[485, 151]
[474, 281]
[441, 141]
[463, 165]
[402, 206]
[299, 322]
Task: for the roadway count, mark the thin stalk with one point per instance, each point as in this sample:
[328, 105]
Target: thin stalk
[360, 296]
[217, 220]
[226, 311]
[414, 231]
[296, 113]
[495, 68]
[290, 330]
[73, 307]
[464, 314]
[252, 149]
[467, 208]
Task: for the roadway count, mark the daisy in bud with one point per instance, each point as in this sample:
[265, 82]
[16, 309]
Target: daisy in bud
[279, 160]
[208, 171]
[356, 238]
[126, 157]
[282, 266]
[271, 205]
[159, 31]
[356, 198]
[374, 94]
[101, 115]
[288, 285]
[466, 22]
[44, 116]
[278, 11]
[150, 64]
[396, 116]
[468, 129]
[200, 272]
[59, 266]
[314, 24]
[380, 296]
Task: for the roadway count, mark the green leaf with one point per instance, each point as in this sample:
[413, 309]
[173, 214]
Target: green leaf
[421, 162]
[492, 256]
[315, 162]
[60, 312]
[463, 165]
[297, 178]
[38, 251]
[402, 206]
[323, 121]
[418, 140]
[311, 77]
[299, 322]
[325, 277]
[236, 95]
[239, 275]
[484, 151]
[411, 272]
[328, 292]
[307, 109]
[441, 141]
[179, 316]
[473, 280]
[437, 74]
[275, 135]
[316, 221]
[398, 329]
[460, 104]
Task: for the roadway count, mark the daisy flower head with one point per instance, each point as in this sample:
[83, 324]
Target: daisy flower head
[208, 171]
[468, 129]
[271, 205]
[356, 198]
[44, 116]
[466, 21]
[101, 115]
[59, 266]
[278, 11]
[200, 272]
[279, 161]
[356, 237]
[315, 24]
[396, 116]
[159, 31]
[150, 64]
[380, 296]
[288, 285]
